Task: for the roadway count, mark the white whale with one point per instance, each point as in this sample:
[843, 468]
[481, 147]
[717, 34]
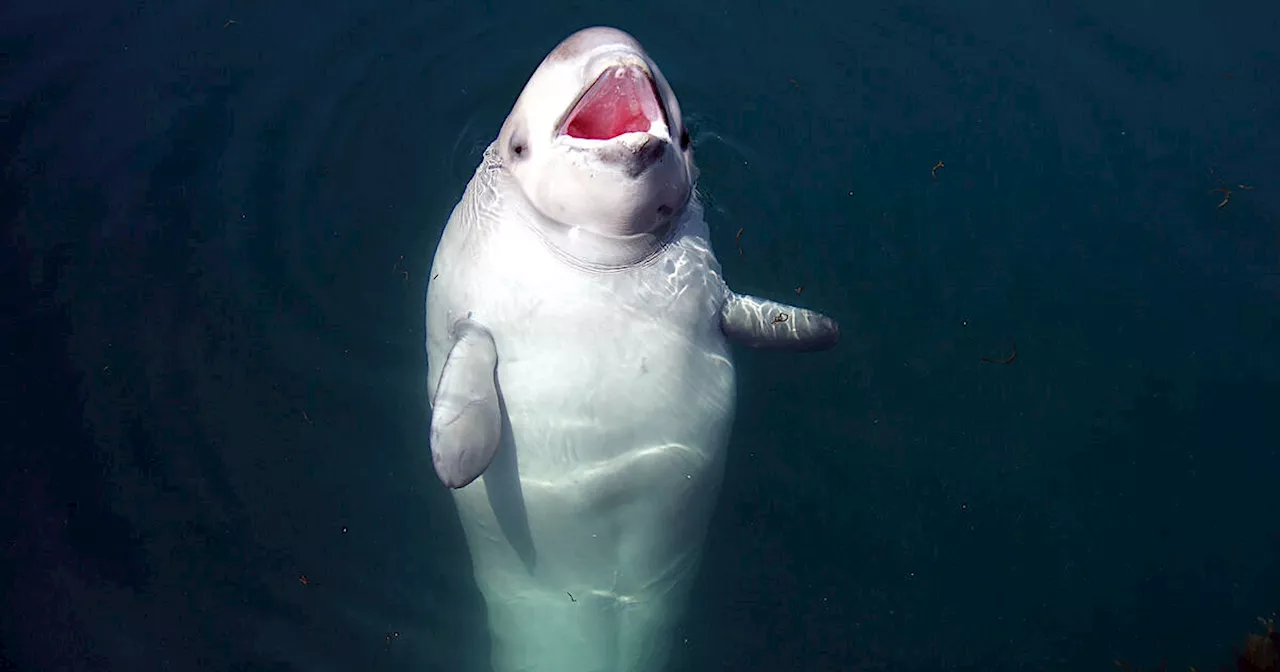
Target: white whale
[580, 371]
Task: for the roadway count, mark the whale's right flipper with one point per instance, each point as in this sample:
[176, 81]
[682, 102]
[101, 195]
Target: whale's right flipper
[769, 325]
[466, 422]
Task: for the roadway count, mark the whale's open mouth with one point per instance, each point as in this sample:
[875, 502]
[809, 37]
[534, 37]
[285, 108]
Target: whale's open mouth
[622, 100]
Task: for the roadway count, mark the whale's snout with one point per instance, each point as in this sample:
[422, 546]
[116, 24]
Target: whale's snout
[596, 140]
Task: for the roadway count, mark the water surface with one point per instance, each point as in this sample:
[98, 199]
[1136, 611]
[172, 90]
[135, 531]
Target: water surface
[218, 221]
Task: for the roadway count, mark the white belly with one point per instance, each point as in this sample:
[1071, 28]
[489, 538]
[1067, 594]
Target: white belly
[585, 532]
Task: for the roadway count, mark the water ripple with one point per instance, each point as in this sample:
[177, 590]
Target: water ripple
[244, 205]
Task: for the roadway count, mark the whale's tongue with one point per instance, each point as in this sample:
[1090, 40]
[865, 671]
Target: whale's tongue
[621, 101]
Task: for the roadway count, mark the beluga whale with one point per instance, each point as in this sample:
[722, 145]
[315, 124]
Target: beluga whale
[580, 365]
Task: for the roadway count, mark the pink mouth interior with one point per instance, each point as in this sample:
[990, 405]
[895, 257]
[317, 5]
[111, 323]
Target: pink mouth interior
[621, 101]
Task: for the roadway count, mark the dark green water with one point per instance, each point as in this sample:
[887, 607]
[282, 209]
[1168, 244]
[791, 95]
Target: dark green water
[218, 218]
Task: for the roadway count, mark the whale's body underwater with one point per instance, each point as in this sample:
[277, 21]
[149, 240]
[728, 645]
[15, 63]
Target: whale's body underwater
[582, 383]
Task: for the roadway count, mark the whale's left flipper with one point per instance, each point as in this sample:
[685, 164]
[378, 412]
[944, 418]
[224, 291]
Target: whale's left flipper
[761, 323]
[466, 422]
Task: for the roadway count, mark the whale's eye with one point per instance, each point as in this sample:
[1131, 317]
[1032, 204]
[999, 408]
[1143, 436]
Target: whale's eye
[519, 148]
[684, 139]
